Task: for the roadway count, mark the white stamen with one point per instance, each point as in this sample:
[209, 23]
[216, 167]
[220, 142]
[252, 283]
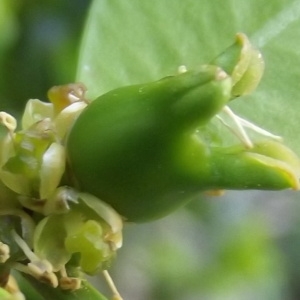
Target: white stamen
[22, 244]
[73, 98]
[46, 277]
[116, 294]
[41, 269]
[68, 283]
[258, 129]
[240, 132]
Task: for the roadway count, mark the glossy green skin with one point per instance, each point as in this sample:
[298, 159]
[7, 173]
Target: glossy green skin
[129, 146]
[137, 147]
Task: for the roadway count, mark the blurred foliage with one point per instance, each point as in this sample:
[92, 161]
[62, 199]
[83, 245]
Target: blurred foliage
[215, 248]
[38, 48]
[244, 245]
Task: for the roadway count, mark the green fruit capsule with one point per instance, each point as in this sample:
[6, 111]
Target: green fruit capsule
[126, 146]
[139, 148]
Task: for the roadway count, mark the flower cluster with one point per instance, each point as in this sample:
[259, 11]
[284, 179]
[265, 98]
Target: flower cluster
[48, 229]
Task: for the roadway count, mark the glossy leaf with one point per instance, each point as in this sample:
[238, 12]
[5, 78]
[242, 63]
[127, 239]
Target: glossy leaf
[135, 41]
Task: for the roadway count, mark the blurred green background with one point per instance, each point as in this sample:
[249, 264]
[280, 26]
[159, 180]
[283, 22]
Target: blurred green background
[38, 47]
[244, 245]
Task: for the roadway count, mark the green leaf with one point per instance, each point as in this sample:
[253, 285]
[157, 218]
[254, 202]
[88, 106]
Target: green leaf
[36, 290]
[127, 42]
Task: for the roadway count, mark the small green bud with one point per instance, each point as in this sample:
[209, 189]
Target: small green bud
[35, 163]
[64, 95]
[89, 227]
